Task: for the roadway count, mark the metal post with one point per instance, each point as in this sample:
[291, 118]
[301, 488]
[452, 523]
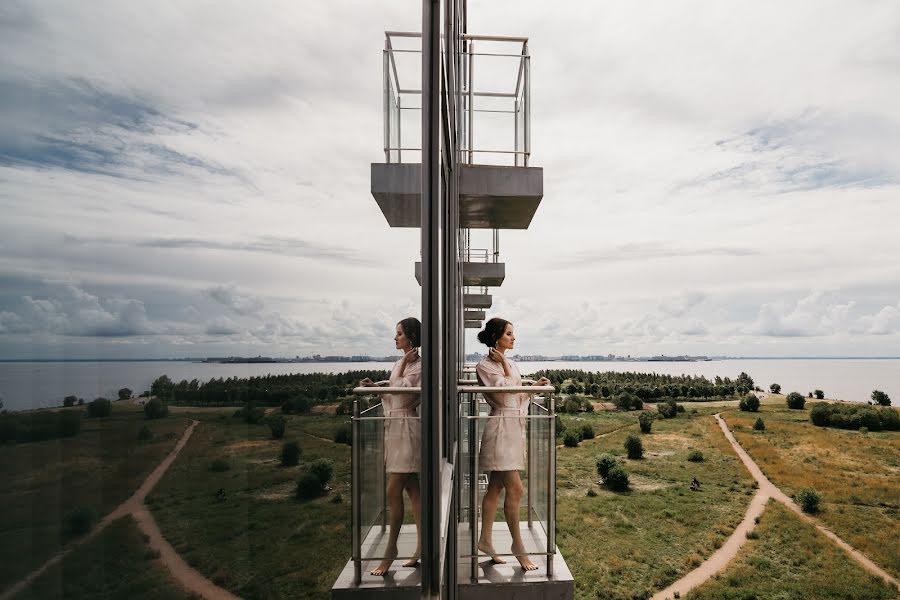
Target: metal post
[531, 470]
[473, 486]
[356, 492]
[527, 100]
[431, 306]
[387, 102]
[551, 490]
[471, 98]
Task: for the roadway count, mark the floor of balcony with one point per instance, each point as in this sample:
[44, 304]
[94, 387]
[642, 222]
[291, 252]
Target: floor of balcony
[494, 581]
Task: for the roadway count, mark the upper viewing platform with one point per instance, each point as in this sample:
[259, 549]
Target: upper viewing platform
[497, 187]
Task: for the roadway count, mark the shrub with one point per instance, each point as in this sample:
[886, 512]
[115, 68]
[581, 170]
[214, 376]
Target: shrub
[645, 420]
[101, 407]
[79, 521]
[144, 434]
[156, 409]
[69, 401]
[880, 398]
[749, 403]
[667, 409]
[571, 405]
[290, 454]
[605, 462]
[695, 456]
[277, 425]
[634, 447]
[775, 388]
[560, 426]
[321, 468]
[39, 425]
[287, 407]
[796, 401]
[250, 414]
[125, 393]
[864, 430]
[69, 424]
[890, 419]
[616, 479]
[626, 401]
[571, 439]
[344, 435]
[219, 465]
[591, 493]
[587, 432]
[308, 486]
[819, 394]
[759, 425]
[809, 500]
[819, 415]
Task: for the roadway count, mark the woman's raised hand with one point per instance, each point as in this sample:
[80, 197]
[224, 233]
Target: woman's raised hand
[496, 356]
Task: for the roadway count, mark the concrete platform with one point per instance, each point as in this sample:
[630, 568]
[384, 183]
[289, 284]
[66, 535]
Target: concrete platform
[471, 324]
[477, 300]
[473, 315]
[490, 197]
[481, 274]
[493, 581]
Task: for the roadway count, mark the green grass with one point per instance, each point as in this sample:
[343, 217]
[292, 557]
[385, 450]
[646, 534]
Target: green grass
[791, 561]
[117, 563]
[261, 542]
[625, 545]
[96, 470]
[857, 474]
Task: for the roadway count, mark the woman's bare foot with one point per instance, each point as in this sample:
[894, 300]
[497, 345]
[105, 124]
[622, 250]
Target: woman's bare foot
[414, 561]
[523, 559]
[488, 549]
[382, 569]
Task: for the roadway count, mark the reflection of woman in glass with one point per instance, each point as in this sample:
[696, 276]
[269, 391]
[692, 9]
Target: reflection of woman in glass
[402, 437]
[503, 442]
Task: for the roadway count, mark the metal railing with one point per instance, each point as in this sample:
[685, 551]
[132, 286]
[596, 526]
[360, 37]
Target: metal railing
[506, 142]
[368, 477]
[540, 483]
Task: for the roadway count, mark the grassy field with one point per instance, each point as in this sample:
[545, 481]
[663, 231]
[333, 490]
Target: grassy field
[857, 474]
[117, 563]
[626, 545]
[260, 542]
[791, 561]
[94, 471]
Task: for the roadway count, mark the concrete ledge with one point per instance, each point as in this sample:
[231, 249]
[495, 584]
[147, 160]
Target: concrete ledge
[473, 315]
[476, 274]
[490, 197]
[477, 301]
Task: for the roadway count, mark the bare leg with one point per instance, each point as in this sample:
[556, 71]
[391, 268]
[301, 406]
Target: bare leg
[514, 490]
[488, 510]
[395, 506]
[412, 490]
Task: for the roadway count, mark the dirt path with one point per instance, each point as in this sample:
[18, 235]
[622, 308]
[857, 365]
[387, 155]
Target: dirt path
[180, 570]
[767, 490]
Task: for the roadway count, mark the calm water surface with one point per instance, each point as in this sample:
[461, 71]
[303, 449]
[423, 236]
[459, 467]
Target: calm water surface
[26, 385]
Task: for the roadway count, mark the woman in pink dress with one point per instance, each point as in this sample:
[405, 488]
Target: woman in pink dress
[402, 437]
[503, 442]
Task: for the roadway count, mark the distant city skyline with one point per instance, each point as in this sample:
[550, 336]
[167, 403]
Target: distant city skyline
[719, 179]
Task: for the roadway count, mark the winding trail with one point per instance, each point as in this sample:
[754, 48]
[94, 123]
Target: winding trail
[187, 576]
[767, 490]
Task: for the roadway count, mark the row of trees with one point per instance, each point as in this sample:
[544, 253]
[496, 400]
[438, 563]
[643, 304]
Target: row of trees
[300, 390]
[647, 387]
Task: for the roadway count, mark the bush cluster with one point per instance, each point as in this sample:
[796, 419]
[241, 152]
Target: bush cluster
[796, 401]
[627, 401]
[219, 465]
[749, 403]
[759, 425]
[79, 521]
[571, 438]
[39, 425]
[313, 481]
[645, 420]
[669, 409]
[809, 500]
[156, 409]
[298, 404]
[344, 435]
[648, 387]
[99, 408]
[250, 414]
[290, 454]
[695, 456]
[277, 425]
[854, 416]
[587, 432]
[610, 470]
[634, 447]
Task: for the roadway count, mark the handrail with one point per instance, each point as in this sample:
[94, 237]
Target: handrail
[512, 389]
[378, 391]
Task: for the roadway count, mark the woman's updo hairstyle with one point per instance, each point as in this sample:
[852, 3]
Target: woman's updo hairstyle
[412, 329]
[492, 331]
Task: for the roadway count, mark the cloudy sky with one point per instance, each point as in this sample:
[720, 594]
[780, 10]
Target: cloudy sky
[192, 178]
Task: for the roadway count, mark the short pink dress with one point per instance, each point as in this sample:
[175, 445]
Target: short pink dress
[402, 432]
[503, 440]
